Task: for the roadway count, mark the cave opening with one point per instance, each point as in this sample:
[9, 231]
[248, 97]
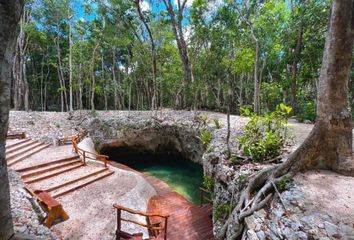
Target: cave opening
[164, 162]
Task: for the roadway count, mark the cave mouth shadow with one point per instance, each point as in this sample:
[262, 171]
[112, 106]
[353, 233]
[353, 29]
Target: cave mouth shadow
[165, 163]
[133, 155]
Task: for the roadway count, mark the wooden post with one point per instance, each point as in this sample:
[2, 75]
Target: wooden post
[119, 211]
[165, 237]
[201, 197]
[84, 157]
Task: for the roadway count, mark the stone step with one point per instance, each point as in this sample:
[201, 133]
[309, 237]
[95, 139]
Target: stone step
[19, 142]
[69, 168]
[79, 183]
[27, 154]
[33, 145]
[21, 146]
[47, 164]
[51, 168]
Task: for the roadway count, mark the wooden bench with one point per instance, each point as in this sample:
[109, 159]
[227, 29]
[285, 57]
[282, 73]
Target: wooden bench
[153, 220]
[204, 198]
[21, 135]
[150, 216]
[124, 235]
[64, 140]
[53, 207]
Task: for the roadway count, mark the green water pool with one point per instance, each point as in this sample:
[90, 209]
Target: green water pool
[183, 176]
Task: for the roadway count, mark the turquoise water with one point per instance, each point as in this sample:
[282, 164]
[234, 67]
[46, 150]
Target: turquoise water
[181, 175]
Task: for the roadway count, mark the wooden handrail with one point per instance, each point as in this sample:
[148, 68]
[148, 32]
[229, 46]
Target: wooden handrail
[86, 154]
[80, 135]
[140, 213]
[150, 227]
[204, 191]
[20, 135]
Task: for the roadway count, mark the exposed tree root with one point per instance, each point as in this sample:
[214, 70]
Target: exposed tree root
[314, 153]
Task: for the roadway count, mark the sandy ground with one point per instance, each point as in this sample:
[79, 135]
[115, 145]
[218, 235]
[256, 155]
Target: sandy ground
[92, 215]
[332, 194]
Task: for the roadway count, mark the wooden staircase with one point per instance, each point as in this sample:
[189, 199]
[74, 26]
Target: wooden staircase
[77, 183]
[54, 178]
[23, 149]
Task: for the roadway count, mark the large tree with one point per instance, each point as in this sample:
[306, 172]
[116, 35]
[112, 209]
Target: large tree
[329, 145]
[10, 13]
[176, 18]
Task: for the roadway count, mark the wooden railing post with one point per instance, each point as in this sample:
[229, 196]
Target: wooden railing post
[84, 157]
[165, 237]
[119, 212]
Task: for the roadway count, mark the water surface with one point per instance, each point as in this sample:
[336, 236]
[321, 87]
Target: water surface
[183, 176]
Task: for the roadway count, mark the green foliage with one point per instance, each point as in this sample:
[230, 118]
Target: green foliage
[97, 143]
[222, 49]
[206, 136]
[217, 123]
[222, 210]
[210, 149]
[208, 183]
[93, 113]
[235, 159]
[284, 183]
[265, 136]
[204, 119]
[308, 112]
[243, 179]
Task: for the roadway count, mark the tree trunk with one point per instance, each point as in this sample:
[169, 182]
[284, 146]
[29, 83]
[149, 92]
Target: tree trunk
[115, 83]
[294, 64]
[332, 133]
[25, 85]
[181, 43]
[93, 77]
[256, 97]
[153, 56]
[70, 69]
[10, 12]
[79, 100]
[104, 80]
[329, 145]
[229, 104]
[241, 93]
[20, 83]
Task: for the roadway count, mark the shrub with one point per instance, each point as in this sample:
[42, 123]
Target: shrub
[208, 183]
[308, 111]
[265, 136]
[206, 137]
[217, 123]
[204, 119]
[236, 160]
[222, 210]
[243, 179]
[284, 183]
[210, 149]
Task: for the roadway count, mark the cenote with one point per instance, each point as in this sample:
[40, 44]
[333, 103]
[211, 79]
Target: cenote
[182, 175]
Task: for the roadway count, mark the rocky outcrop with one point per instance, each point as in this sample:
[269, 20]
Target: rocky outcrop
[26, 213]
[179, 132]
[147, 135]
